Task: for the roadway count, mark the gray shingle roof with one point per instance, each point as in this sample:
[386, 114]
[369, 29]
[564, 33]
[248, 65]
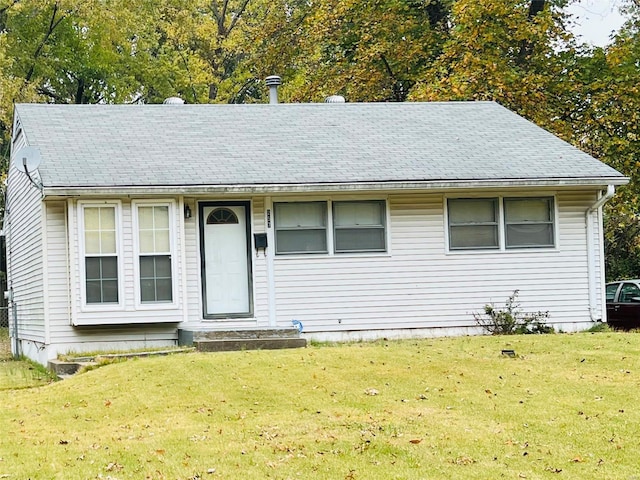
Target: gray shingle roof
[301, 144]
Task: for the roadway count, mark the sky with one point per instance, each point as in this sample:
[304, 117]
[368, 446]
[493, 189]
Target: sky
[596, 19]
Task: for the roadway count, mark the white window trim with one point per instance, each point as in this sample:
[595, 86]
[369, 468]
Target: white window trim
[100, 307]
[329, 227]
[139, 305]
[502, 227]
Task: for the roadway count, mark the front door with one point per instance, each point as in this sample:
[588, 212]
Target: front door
[226, 259]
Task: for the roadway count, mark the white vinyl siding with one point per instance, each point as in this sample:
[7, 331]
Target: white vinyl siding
[128, 326]
[23, 226]
[421, 285]
[417, 285]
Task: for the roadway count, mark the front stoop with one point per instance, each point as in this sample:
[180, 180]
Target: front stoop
[241, 339]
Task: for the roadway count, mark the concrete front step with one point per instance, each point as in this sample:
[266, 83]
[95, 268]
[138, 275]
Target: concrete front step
[206, 340]
[233, 344]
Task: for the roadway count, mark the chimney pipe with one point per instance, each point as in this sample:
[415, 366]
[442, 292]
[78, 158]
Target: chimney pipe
[272, 82]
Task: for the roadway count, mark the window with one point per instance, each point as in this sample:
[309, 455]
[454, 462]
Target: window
[528, 222]
[611, 291]
[477, 223]
[473, 223]
[629, 293]
[154, 247]
[359, 226]
[100, 254]
[222, 216]
[301, 227]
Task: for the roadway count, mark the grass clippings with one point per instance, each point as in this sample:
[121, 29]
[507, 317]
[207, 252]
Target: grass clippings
[563, 407]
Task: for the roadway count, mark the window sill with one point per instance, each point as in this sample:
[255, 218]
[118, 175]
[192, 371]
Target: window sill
[143, 307]
[504, 251]
[128, 320]
[324, 256]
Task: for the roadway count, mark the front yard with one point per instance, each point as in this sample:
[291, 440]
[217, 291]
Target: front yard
[565, 407]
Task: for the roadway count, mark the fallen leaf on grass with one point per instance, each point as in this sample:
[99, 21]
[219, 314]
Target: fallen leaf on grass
[415, 441]
[464, 461]
[114, 466]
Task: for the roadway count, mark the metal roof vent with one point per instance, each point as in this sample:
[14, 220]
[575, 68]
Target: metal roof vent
[173, 101]
[334, 99]
[273, 81]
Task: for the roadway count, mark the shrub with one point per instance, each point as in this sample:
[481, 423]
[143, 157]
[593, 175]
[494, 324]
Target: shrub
[511, 320]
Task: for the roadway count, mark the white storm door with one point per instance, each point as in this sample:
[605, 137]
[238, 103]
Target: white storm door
[226, 256]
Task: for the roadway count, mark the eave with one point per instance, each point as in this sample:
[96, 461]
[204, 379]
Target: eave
[274, 189]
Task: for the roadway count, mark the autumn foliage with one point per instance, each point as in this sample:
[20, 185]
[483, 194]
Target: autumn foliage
[519, 53]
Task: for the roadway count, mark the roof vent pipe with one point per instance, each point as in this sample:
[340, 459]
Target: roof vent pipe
[272, 82]
[334, 99]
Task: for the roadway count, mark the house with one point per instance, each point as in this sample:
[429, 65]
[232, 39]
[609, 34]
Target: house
[129, 225]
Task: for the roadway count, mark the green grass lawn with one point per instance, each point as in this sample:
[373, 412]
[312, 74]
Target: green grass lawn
[565, 407]
[18, 374]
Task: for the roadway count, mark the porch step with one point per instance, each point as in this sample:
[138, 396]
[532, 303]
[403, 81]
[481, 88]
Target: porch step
[249, 344]
[241, 339]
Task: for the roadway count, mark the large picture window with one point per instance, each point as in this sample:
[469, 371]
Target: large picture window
[154, 247]
[356, 226]
[100, 254]
[477, 223]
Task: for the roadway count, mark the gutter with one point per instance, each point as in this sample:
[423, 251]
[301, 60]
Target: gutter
[591, 261]
[289, 188]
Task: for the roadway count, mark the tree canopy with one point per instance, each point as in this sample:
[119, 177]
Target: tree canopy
[519, 53]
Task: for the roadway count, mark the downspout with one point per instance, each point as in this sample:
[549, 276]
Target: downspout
[591, 261]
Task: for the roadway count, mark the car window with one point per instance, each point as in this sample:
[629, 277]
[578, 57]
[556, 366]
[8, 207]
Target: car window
[628, 291]
[611, 292]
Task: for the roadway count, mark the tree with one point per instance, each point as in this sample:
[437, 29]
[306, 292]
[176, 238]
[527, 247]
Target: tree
[504, 51]
[365, 51]
[609, 129]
